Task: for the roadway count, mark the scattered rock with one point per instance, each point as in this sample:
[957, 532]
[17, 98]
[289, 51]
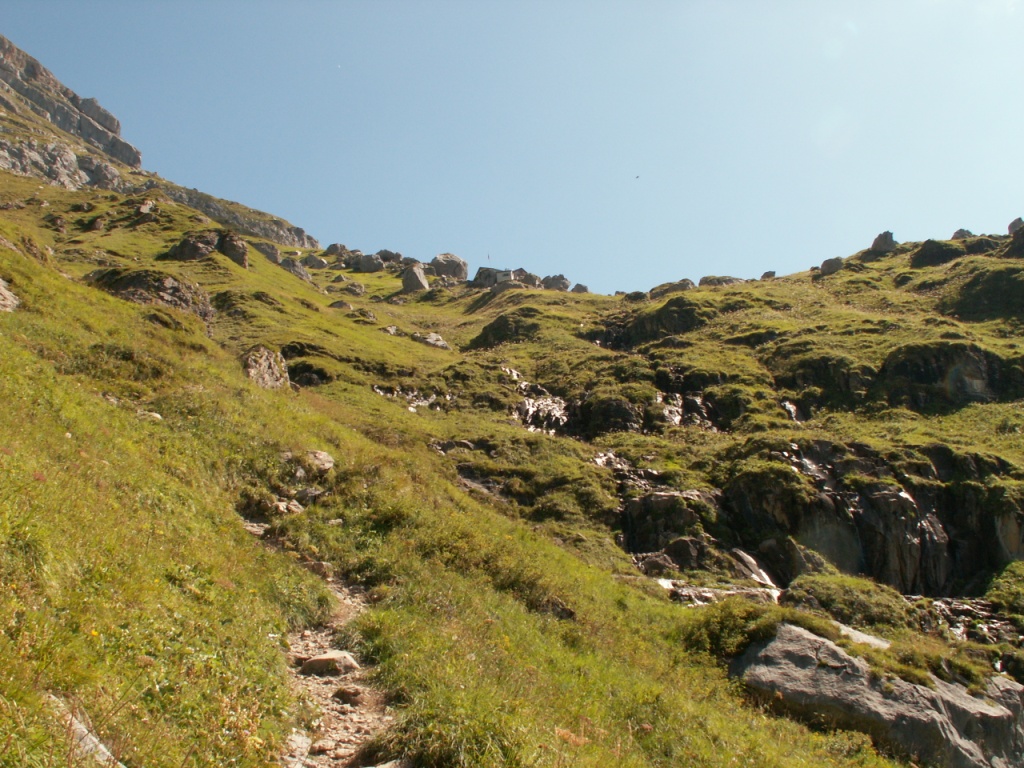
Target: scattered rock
[580, 288]
[319, 462]
[450, 265]
[330, 663]
[431, 339]
[812, 678]
[266, 368]
[290, 264]
[883, 243]
[389, 257]
[8, 301]
[356, 289]
[340, 304]
[413, 279]
[312, 261]
[831, 266]
[369, 262]
[556, 283]
[336, 249]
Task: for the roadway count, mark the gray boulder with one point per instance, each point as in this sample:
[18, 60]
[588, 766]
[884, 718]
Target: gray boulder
[431, 339]
[556, 283]
[296, 269]
[714, 280]
[389, 257]
[369, 262]
[312, 261]
[1016, 224]
[812, 678]
[485, 277]
[667, 288]
[8, 301]
[831, 266]
[580, 288]
[883, 243]
[413, 279]
[194, 246]
[962, 234]
[450, 265]
[335, 249]
[769, 275]
[266, 368]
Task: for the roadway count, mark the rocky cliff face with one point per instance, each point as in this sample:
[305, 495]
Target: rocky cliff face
[53, 101]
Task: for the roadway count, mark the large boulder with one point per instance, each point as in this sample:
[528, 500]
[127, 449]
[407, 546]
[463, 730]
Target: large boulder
[831, 266]
[528, 279]
[556, 283]
[716, 280]
[266, 368]
[194, 246]
[580, 288]
[199, 245]
[932, 253]
[235, 248]
[883, 243]
[413, 279]
[369, 262]
[8, 301]
[485, 277]
[1016, 224]
[812, 678]
[962, 234]
[450, 265]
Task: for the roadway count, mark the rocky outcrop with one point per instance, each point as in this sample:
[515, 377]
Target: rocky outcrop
[812, 678]
[60, 165]
[883, 243]
[8, 301]
[271, 251]
[962, 234]
[930, 374]
[148, 286]
[266, 368]
[949, 520]
[1016, 224]
[932, 253]
[580, 288]
[450, 265]
[50, 99]
[238, 217]
[413, 279]
[521, 324]
[666, 288]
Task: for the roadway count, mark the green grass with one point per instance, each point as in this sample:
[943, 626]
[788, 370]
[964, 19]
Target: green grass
[507, 625]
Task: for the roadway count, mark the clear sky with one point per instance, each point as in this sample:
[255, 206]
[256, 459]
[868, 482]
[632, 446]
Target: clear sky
[624, 144]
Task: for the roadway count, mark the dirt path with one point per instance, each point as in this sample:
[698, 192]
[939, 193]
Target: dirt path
[350, 710]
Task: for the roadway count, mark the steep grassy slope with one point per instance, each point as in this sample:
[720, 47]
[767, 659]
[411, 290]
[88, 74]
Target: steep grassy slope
[508, 626]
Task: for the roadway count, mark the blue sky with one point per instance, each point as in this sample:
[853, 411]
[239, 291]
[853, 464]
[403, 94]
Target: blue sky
[765, 135]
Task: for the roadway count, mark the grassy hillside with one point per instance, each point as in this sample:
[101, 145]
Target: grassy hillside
[508, 626]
